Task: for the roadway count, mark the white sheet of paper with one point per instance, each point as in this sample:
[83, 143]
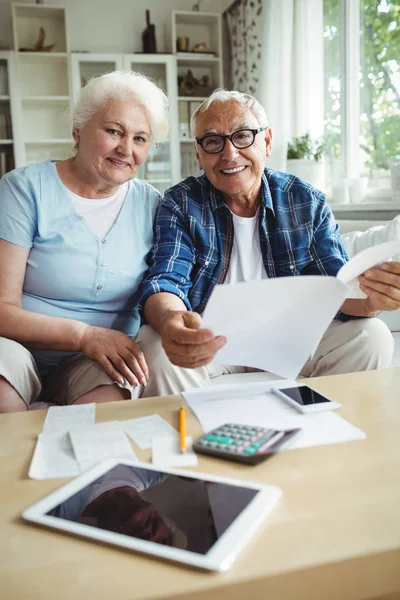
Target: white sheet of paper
[61, 418]
[253, 404]
[144, 430]
[53, 457]
[167, 453]
[93, 444]
[273, 324]
[366, 259]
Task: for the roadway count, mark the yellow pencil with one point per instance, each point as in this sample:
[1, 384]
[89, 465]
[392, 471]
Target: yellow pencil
[182, 429]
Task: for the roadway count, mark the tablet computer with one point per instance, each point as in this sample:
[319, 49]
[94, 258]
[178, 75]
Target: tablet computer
[194, 518]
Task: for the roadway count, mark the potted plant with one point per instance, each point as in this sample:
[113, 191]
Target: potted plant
[305, 159]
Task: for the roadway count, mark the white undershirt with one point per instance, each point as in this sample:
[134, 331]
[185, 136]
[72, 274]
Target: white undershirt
[246, 263]
[100, 214]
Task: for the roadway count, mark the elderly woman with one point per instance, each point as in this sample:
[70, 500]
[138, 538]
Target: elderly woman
[243, 222]
[74, 235]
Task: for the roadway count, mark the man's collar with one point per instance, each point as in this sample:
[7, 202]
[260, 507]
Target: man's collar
[266, 198]
[216, 199]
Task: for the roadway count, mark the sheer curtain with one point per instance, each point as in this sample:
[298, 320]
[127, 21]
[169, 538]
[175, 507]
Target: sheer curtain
[276, 50]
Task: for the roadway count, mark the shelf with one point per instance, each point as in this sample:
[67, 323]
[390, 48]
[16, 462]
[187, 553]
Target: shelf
[198, 59]
[40, 55]
[187, 140]
[4, 142]
[4, 98]
[27, 21]
[192, 98]
[48, 99]
[49, 141]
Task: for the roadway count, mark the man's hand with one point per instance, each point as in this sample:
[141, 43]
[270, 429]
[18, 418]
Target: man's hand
[382, 286]
[185, 344]
[114, 351]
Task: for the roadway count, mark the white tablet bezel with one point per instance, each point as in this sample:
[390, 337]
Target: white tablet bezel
[220, 556]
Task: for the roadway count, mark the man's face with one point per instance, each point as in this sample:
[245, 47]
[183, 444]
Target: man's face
[235, 172]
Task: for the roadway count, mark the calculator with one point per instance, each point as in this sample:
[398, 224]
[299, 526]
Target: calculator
[244, 443]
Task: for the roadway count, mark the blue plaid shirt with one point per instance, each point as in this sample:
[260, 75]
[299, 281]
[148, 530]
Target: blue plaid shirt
[194, 236]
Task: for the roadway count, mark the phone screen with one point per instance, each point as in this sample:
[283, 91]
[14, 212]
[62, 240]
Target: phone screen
[304, 395]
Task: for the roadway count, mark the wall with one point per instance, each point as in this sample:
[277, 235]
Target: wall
[116, 26]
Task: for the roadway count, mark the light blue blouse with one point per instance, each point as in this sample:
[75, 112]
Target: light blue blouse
[71, 273]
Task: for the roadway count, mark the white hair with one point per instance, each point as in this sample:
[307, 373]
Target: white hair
[222, 95]
[124, 85]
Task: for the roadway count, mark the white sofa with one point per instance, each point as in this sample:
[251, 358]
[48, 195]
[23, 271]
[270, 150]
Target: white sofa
[357, 235]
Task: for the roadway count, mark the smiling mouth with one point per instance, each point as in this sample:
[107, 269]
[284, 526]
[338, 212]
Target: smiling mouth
[234, 170]
[120, 163]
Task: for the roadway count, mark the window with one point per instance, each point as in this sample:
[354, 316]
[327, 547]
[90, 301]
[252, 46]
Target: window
[362, 93]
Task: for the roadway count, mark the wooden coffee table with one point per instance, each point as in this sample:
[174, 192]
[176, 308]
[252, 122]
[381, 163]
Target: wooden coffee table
[334, 535]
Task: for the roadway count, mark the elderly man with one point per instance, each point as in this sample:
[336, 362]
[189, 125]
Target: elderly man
[241, 222]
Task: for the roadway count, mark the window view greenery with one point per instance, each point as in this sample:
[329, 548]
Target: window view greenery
[379, 84]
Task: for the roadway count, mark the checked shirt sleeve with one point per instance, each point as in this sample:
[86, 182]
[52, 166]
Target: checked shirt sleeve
[327, 247]
[172, 256]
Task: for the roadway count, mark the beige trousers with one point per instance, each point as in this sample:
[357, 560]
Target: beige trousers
[357, 345]
[346, 347]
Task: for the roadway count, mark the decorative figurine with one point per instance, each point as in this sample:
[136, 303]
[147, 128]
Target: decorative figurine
[39, 46]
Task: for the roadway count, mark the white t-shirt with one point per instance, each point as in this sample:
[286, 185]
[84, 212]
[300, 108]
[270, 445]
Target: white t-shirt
[246, 263]
[100, 214]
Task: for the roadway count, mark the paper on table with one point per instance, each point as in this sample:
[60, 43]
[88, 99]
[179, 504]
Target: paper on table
[273, 324]
[93, 444]
[167, 453]
[248, 405]
[61, 418]
[144, 429]
[366, 259]
[53, 457]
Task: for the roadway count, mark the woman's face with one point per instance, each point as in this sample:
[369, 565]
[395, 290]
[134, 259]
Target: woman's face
[114, 143]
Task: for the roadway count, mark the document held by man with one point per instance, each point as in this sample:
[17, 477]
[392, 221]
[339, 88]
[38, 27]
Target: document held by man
[276, 324]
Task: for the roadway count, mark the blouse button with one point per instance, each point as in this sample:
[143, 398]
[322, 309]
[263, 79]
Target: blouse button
[99, 287]
[206, 263]
[291, 267]
[103, 264]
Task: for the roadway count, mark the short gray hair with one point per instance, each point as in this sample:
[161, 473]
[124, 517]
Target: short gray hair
[222, 95]
[124, 85]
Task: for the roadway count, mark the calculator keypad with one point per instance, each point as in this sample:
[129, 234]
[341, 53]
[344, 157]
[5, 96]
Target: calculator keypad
[241, 439]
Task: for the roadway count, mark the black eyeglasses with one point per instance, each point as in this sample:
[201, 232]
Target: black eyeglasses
[243, 138]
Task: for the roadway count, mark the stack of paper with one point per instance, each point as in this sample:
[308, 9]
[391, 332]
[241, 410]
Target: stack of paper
[70, 442]
[253, 404]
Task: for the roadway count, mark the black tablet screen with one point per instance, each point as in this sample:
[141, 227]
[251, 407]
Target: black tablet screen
[177, 511]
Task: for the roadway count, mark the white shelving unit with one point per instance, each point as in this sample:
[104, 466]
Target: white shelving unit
[7, 112]
[85, 65]
[43, 84]
[46, 84]
[205, 67]
[162, 169]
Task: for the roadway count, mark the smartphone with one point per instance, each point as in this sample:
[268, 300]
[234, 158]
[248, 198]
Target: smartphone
[305, 400]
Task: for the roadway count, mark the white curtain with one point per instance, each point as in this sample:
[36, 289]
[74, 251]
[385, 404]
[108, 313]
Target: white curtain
[277, 56]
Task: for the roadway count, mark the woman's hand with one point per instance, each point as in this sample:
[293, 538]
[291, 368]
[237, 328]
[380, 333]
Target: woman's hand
[119, 356]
